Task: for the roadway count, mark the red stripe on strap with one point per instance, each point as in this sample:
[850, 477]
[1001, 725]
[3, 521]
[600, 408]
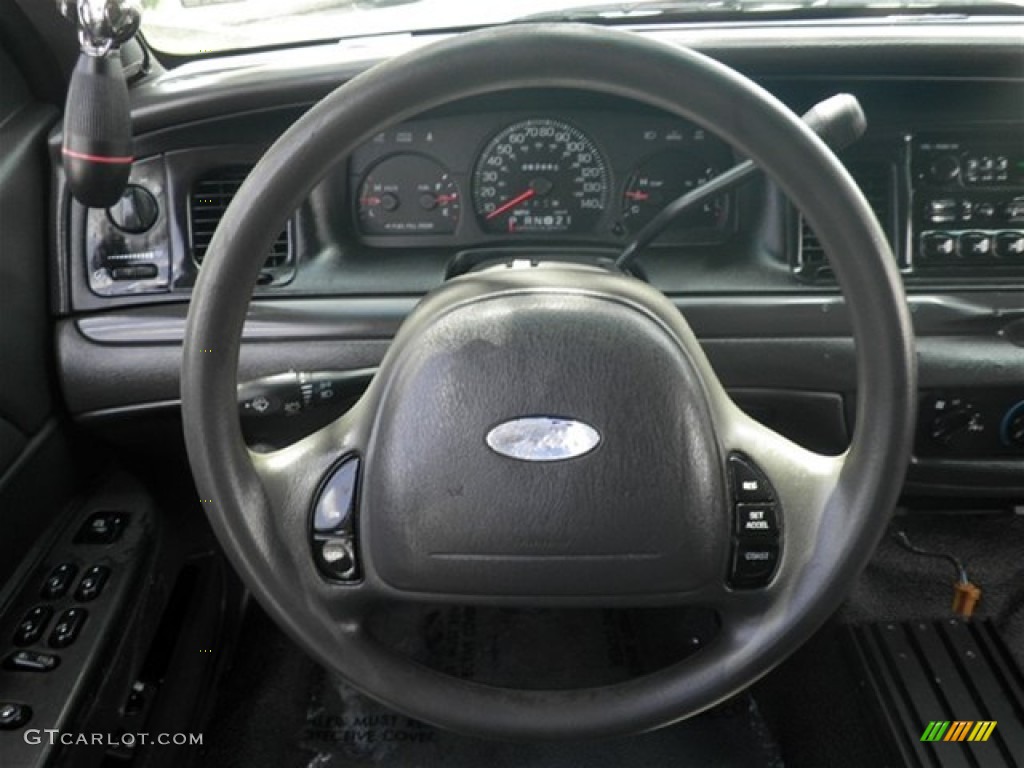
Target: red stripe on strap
[106, 159]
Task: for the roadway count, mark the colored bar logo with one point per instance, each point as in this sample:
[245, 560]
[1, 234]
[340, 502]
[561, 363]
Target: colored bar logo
[958, 730]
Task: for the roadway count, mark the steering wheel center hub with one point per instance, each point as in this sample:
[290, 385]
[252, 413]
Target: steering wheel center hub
[612, 484]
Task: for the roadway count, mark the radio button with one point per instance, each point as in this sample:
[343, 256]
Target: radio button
[1009, 245]
[1015, 210]
[976, 245]
[985, 211]
[941, 211]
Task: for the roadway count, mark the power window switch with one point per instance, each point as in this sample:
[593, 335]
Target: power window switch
[92, 583]
[68, 625]
[59, 581]
[33, 625]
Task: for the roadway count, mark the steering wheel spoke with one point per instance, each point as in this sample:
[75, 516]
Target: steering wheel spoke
[312, 491]
[293, 475]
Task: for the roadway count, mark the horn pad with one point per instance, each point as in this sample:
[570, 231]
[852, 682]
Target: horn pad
[443, 512]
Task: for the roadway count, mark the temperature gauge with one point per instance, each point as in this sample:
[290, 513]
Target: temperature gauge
[663, 177]
[408, 194]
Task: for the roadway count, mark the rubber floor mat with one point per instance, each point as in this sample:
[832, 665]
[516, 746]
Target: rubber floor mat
[344, 728]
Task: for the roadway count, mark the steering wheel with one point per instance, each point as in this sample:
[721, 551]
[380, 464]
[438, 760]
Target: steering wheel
[553, 434]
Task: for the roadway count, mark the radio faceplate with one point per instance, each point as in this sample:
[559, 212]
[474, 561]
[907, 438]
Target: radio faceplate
[967, 204]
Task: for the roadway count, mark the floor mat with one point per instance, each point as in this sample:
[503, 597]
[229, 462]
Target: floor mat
[344, 729]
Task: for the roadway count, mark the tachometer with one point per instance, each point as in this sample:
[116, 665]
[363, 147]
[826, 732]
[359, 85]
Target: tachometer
[408, 194]
[540, 176]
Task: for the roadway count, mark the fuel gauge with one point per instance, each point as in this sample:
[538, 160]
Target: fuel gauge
[408, 194]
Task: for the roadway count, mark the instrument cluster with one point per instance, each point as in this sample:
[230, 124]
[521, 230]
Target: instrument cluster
[588, 176]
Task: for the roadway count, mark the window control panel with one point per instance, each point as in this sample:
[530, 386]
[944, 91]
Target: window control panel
[32, 628]
[62, 625]
[757, 514]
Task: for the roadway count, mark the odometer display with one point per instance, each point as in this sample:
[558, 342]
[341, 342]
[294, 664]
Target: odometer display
[540, 176]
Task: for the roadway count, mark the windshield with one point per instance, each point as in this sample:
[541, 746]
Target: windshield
[190, 27]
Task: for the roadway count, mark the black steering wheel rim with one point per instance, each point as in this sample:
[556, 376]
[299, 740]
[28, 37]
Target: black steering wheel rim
[682, 82]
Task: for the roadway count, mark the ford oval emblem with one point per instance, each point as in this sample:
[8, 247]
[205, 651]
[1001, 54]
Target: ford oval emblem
[543, 438]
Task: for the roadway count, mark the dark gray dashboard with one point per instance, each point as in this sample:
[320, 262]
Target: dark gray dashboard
[759, 296]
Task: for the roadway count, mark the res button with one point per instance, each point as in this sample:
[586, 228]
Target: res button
[748, 484]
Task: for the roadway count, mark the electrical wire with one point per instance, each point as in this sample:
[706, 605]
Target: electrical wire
[903, 540]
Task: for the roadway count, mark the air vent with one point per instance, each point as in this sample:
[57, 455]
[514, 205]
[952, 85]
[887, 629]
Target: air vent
[210, 197]
[878, 182]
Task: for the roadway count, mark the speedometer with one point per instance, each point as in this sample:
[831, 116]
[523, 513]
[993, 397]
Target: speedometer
[540, 176]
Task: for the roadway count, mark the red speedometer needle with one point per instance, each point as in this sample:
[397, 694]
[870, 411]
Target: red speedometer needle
[638, 196]
[511, 203]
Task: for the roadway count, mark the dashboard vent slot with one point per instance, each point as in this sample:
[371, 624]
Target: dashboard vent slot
[209, 198]
[878, 182]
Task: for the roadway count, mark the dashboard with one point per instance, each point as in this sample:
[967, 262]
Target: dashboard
[571, 174]
[585, 176]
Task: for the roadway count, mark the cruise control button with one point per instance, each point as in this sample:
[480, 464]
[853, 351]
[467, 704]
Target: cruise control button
[748, 484]
[756, 520]
[13, 715]
[754, 563]
[68, 625]
[92, 583]
[1009, 245]
[31, 661]
[59, 581]
[33, 625]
